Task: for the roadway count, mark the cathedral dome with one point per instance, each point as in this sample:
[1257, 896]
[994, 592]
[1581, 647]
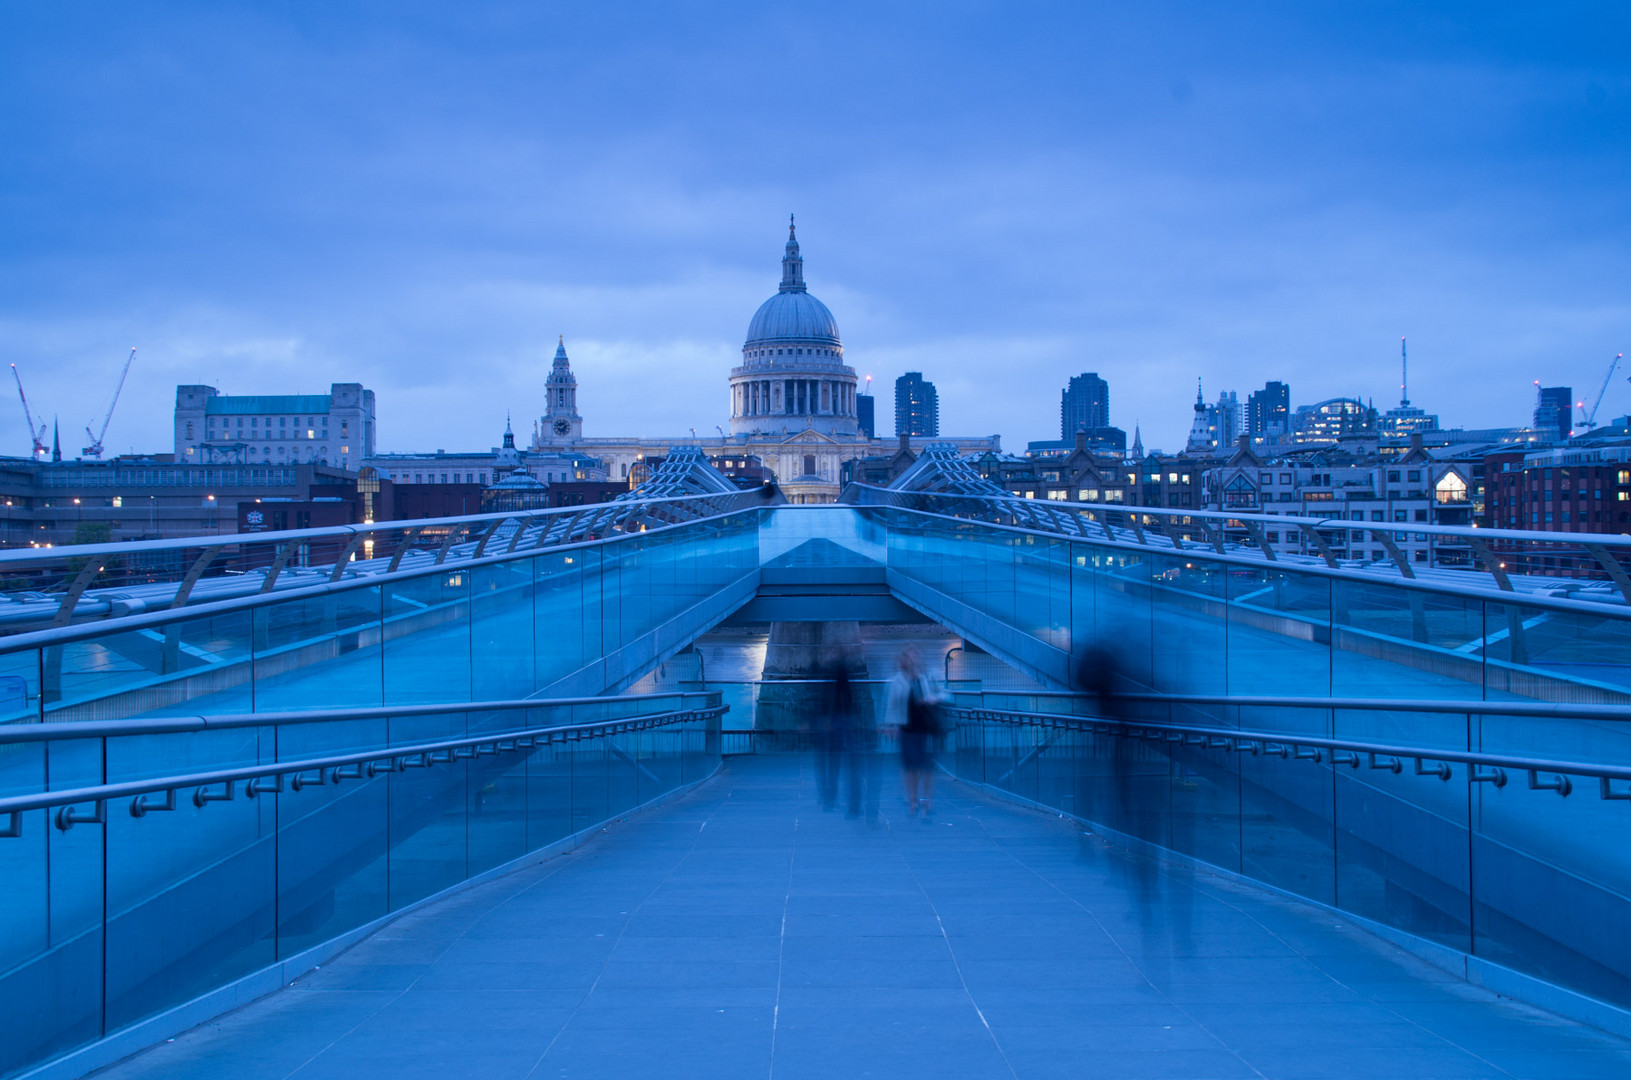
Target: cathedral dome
[793, 315]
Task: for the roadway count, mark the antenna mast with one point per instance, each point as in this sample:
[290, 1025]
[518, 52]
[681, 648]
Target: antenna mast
[1404, 377]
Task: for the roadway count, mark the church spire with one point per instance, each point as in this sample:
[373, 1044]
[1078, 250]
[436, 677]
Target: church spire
[792, 261]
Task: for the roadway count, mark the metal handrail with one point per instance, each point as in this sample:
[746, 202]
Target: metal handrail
[1167, 527]
[326, 770]
[1385, 756]
[24, 556]
[58, 634]
[1559, 710]
[1441, 582]
[555, 528]
[1620, 540]
[168, 725]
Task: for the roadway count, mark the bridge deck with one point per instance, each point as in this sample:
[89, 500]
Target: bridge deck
[742, 931]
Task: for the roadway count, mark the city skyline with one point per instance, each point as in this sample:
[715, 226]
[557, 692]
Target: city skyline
[1283, 212]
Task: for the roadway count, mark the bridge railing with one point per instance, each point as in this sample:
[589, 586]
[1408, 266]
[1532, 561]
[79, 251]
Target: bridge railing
[148, 862]
[502, 620]
[1192, 620]
[1494, 828]
[1592, 566]
[42, 588]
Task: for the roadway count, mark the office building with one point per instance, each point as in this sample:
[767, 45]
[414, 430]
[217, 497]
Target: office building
[917, 406]
[1084, 405]
[866, 415]
[1554, 412]
[212, 428]
[1268, 411]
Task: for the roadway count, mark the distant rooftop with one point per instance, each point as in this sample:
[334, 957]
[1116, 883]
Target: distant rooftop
[244, 404]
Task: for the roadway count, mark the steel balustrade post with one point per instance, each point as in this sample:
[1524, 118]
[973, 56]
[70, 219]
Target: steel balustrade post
[272, 572]
[81, 582]
[344, 559]
[402, 549]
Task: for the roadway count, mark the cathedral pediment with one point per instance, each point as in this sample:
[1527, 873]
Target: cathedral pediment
[808, 436]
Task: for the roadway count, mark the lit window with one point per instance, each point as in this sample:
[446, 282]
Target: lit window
[1451, 489]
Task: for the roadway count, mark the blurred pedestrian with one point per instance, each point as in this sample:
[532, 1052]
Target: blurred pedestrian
[914, 712]
[861, 746]
[835, 705]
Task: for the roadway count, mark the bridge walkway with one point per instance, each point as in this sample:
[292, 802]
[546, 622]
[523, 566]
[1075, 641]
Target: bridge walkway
[739, 930]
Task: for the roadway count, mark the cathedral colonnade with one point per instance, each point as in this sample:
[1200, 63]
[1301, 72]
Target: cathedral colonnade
[793, 397]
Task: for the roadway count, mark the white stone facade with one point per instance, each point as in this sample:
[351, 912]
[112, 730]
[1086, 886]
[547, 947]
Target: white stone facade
[277, 429]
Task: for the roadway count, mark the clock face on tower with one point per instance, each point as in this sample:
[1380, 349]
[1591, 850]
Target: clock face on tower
[562, 427]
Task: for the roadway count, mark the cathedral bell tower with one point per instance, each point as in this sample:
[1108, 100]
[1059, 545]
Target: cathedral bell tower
[560, 424]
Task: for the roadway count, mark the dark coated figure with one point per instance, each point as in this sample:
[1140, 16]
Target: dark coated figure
[1144, 807]
[836, 716]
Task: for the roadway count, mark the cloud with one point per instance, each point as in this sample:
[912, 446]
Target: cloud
[999, 199]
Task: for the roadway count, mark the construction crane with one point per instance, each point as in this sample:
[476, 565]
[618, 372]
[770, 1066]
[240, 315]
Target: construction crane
[95, 449]
[1588, 420]
[37, 435]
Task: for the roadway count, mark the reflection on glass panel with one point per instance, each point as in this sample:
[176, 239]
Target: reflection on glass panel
[1190, 636]
[319, 651]
[589, 787]
[20, 686]
[1401, 838]
[1122, 600]
[566, 613]
[1287, 835]
[1389, 641]
[497, 811]
[623, 773]
[165, 667]
[428, 812]
[28, 970]
[501, 633]
[191, 896]
[549, 794]
[1555, 654]
[1279, 632]
[1551, 872]
[427, 639]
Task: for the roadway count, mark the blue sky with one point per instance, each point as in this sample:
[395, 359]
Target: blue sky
[271, 197]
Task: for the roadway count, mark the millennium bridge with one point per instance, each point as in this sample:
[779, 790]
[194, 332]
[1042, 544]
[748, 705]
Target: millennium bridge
[526, 795]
